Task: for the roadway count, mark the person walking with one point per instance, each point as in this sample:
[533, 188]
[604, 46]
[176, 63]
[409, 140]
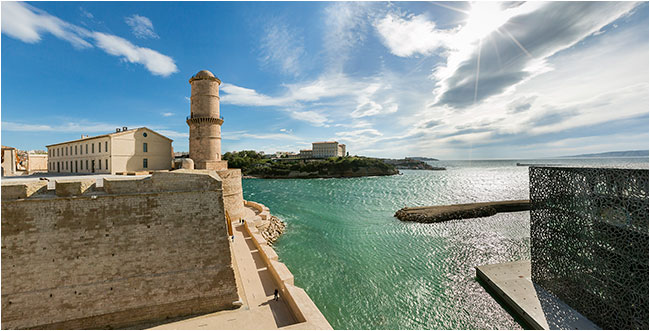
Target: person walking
[275, 295]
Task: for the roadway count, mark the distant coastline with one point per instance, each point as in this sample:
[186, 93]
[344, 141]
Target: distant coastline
[633, 153]
[253, 165]
[411, 164]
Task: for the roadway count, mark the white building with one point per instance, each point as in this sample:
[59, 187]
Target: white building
[325, 149]
[140, 149]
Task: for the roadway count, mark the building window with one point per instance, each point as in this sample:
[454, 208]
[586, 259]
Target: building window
[99, 163]
[144, 147]
[86, 161]
[86, 152]
[144, 134]
[92, 148]
[106, 163]
[106, 146]
[99, 147]
[145, 163]
[75, 149]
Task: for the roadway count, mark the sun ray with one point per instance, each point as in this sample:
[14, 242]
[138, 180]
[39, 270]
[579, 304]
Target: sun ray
[516, 42]
[450, 7]
[478, 68]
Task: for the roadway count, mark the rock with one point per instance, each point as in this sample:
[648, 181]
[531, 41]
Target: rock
[272, 230]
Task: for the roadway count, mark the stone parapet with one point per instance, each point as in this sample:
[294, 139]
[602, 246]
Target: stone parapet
[68, 188]
[12, 191]
[300, 304]
[145, 251]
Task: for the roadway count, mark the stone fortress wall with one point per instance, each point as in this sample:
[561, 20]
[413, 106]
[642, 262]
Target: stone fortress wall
[134, 251]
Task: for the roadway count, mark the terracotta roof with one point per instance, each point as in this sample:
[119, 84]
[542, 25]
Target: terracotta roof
[326, 142]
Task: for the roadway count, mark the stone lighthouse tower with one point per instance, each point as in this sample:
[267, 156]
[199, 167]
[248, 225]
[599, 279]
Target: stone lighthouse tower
[205, 123]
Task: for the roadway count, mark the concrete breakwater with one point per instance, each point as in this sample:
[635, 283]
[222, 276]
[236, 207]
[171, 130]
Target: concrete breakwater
[433, 214]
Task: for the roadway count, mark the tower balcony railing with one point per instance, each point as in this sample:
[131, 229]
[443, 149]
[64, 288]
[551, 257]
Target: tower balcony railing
[198, 119]
[187, 118]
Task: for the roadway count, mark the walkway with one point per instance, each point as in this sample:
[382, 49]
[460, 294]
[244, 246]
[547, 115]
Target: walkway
[256, 287]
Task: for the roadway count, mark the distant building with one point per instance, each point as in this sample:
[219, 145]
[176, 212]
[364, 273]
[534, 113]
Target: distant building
[36, 163]
[124, 150]
[9, 160]
[325, 149]
[305, 154]
[278, 155]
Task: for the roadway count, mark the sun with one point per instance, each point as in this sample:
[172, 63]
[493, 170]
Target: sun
[483, 18]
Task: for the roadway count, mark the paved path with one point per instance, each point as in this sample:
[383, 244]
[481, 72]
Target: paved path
[256, 287]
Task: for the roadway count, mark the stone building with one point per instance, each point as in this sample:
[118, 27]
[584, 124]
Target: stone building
[325, 149]
[305, 154]
[36, 163]
[140, 149]
[8, 161]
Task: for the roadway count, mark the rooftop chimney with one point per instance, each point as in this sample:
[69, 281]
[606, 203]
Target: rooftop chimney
[124, 128]
[117, 129]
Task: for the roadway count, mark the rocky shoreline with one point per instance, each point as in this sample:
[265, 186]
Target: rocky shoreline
[273, 230]
[411, 164]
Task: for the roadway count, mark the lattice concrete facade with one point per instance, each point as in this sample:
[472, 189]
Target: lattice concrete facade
[589, 241]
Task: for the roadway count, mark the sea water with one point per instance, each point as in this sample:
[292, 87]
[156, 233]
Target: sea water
[365, 269]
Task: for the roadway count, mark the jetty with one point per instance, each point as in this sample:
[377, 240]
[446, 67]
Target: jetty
[434, 214]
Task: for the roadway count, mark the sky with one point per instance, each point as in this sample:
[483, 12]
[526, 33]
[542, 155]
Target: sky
[450, 80]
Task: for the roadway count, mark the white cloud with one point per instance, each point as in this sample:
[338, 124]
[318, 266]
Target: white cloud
[242, 96]
[27, 23]
[167, 114]
[156, 63]
[312, 117]
[141, 26]
[518, 50]
[172, 133]
[346, 25]
[84, 127]
[411, 35]
[86, 13]
[283, 47]
[237, 135]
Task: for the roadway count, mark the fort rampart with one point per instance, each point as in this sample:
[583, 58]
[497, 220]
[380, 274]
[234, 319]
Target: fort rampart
[134, 251]
[300, 304]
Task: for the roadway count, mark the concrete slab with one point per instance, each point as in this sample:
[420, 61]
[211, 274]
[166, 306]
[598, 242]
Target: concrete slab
[541, 310]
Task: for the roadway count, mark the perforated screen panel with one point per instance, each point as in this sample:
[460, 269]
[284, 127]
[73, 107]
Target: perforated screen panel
[589, 241]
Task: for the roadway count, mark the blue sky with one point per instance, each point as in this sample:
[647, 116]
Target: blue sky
[452, 80]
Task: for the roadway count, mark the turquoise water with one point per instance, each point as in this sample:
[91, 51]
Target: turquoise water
[365, 269]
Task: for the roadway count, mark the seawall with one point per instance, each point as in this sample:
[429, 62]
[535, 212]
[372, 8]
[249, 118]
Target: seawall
[135, 251]
[300, 304]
